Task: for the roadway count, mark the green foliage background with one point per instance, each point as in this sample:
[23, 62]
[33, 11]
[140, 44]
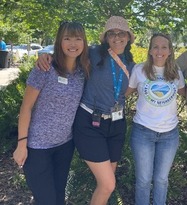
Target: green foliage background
[23, 21]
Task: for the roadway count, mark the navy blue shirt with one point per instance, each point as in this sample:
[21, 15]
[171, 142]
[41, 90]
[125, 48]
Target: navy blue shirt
[99, 88]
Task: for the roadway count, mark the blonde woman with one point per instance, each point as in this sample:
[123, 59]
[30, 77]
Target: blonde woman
[155, 135]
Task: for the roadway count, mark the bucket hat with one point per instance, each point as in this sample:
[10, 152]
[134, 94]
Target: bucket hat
[117, 22]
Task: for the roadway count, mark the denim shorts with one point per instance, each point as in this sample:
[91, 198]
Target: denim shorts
[98, 144]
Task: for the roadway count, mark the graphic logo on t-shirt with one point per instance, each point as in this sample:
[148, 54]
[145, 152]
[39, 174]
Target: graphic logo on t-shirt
[159, 92]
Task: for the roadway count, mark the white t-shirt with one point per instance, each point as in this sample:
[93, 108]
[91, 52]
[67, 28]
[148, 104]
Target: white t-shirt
[156, 107]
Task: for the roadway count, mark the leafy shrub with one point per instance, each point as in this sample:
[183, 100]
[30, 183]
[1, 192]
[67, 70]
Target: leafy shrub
[10, 102]
[179, 51]
[139, 54]
[178, 175]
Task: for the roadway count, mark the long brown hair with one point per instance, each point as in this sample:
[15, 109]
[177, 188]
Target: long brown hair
[171, 69]
[73, 29]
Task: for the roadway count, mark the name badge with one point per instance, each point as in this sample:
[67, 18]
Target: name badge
[117, 112]
[62, 80]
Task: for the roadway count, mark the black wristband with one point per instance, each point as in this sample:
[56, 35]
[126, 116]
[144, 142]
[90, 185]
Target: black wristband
[23, 138]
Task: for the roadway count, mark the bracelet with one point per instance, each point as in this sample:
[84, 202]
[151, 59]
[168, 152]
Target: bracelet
[23, 138]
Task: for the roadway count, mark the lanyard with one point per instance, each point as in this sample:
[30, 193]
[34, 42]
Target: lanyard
[117, 84]
[118, 61]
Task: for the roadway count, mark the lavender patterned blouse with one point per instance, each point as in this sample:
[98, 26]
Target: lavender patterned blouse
[54, 111]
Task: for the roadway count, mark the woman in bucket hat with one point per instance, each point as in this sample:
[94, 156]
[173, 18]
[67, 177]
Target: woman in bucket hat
[100, 125]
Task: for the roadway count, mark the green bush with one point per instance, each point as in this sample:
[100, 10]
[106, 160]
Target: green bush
[178, 176]
[139, 54]
[10, 102]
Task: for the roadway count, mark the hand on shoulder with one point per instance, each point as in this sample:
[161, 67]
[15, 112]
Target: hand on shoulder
[43, 62]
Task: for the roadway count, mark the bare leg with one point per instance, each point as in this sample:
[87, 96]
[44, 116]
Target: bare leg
[105, 177]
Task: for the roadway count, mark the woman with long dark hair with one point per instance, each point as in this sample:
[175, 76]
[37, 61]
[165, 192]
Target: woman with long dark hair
[45, 146]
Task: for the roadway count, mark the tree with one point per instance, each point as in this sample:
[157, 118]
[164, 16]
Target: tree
[40, 18]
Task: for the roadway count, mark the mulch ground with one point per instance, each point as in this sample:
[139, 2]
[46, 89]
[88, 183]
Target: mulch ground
[13, 190]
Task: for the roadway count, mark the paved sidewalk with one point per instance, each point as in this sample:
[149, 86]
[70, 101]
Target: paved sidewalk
[7, 75]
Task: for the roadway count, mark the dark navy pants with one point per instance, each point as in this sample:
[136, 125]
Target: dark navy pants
[46, 172]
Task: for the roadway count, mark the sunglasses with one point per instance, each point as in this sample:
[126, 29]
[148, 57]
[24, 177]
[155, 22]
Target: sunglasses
[120, 34]
[62, 23]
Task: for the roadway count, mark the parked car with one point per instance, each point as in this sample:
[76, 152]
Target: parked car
[26, 49]
[8, 47]
[48, 49]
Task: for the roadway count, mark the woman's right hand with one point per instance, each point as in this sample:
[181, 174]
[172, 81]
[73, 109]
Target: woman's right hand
[43, 62]
[20, 155]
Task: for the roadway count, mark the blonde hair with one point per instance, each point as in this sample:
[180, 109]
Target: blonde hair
[171, 69]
